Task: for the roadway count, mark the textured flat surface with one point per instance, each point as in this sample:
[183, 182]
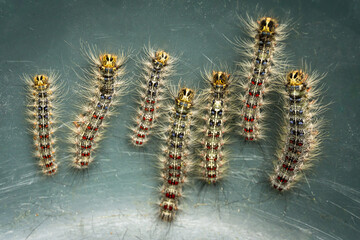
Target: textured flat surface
[116, 198]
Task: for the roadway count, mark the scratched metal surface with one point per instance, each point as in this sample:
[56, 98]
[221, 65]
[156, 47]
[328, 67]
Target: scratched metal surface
[116, 199]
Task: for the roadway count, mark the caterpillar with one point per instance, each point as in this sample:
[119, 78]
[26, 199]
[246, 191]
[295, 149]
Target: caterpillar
[301, 131]
[42, 112]
[157, 67]
[212, 141]
[176, 164]
[105, 87]
[265, 53]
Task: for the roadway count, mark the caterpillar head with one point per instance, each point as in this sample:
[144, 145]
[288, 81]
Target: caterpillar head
[161, 57]
[296, 78]
[220, 79]
[185, 97]
[267, 24]
[108, 61]
[41, 81]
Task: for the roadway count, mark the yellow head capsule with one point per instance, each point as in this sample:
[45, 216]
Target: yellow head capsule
[267, 24]
[41, 81]
[220, 79]
[108, 61]
[161, 57]
[185, 97]
[296, 78]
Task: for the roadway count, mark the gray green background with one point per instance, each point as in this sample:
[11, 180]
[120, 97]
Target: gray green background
[116, 198]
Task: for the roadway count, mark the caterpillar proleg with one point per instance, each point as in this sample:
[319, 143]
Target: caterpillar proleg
[157, 66]
[176, 164]
[212, 134]
[301, 131]
[42, 94]
[104, 87]
[265, 53]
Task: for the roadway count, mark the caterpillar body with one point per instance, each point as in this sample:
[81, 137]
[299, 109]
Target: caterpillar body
[300, 135]
[176, 164]
[42, 114]
[259, 72]
[157, 67]
[106, 86]
[212, 141]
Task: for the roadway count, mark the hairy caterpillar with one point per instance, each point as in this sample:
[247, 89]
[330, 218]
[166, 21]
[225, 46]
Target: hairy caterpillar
[175, 164]
[42, 115]
[265, 64]
[156, 67]
[212, 141]
[300, 140]
[105, 87]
